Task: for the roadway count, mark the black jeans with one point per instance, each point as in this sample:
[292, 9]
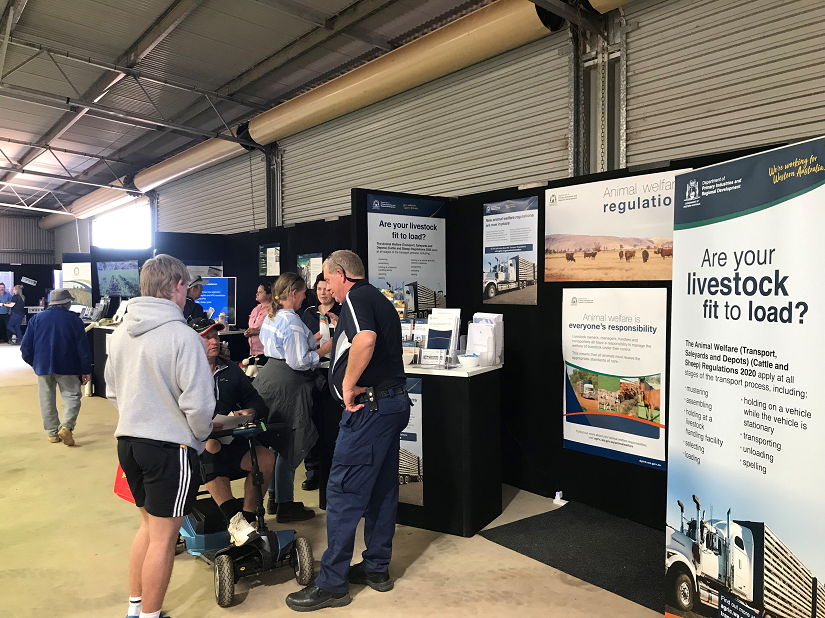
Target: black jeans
[4, 331]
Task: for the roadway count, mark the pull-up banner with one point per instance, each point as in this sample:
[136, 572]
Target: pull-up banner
[746, 464]
[407, 251]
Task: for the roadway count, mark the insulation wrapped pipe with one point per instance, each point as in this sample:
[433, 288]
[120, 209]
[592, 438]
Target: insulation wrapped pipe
[206, 154]
[603, 6]
[490, 31]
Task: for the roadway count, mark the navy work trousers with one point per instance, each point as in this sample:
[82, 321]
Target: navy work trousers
[363, 482]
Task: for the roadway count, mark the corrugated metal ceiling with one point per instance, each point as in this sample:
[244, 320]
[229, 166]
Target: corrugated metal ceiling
[215, 43]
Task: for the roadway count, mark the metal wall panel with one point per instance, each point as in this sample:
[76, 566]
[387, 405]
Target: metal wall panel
[500, 123]
[224, 199]
[23, 242]
[66, 238]
[709, 76]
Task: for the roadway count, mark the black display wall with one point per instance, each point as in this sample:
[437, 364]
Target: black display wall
[239, 252]
[42, 273]
[533, 457]
[531, 405]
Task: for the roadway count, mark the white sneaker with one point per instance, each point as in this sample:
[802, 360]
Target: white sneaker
[241, 530]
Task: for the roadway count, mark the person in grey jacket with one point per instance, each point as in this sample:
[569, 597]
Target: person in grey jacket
[158, 378]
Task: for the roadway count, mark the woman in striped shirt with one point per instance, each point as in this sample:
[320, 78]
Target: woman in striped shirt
[286, 383]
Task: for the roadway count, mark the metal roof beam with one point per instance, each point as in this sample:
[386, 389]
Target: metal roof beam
[337, 25]
[140, 75]
[79, 153]
[340, 23]
[55, 101]
[326, 22]
[159, 30]
[23, 172]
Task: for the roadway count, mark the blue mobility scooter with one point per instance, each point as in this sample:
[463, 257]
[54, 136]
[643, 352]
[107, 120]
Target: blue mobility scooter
[205, 535]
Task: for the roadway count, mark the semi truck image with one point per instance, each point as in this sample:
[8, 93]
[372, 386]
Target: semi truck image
[585, 389]
[743, 560]
[514, 273]
[420, 300]
[410, 468]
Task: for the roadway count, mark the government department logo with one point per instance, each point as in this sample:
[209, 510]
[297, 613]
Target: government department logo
[551, 198]
[692, 191]
[574, 301]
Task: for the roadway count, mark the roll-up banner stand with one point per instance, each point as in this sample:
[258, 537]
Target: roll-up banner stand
[746, 466]
[405, 248]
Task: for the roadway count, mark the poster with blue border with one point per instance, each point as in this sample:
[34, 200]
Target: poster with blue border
[614, 346]
[407, 255]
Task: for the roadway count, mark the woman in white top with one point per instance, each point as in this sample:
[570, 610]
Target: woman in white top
[286, 383]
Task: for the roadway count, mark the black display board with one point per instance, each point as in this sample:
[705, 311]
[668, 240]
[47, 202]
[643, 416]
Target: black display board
[42, 273]
[531, 382]
[239, 252]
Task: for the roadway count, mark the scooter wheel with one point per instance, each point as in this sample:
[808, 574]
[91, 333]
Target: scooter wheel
[302, 561]
[224, 580]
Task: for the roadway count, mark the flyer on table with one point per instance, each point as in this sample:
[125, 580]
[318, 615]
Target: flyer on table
[613, 342]
[411, 455]
[746, 442]
[613, 230]
[407, 251]
[509, 258]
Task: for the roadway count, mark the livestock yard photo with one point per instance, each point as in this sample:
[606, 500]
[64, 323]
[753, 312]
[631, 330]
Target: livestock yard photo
[635, 264]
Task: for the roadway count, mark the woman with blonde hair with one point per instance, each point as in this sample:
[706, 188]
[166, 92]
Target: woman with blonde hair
[286, 383]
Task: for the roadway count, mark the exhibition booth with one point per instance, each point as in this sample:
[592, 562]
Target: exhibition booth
[599, 356]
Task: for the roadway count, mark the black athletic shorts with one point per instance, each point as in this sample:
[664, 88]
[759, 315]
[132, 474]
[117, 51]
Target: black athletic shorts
[226, 462]
[162, 476]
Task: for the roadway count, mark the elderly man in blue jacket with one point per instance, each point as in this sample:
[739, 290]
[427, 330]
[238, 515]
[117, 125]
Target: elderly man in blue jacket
[55, 345]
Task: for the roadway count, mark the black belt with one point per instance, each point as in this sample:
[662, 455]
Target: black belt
[389, 393]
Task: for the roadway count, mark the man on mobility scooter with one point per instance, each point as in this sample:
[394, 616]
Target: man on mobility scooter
[229, 458]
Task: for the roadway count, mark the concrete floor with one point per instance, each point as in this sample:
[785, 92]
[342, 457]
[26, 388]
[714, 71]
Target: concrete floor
[65, 537]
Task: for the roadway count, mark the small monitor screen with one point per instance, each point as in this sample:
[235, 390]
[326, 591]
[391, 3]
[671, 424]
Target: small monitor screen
[119, 278]
[219, 295]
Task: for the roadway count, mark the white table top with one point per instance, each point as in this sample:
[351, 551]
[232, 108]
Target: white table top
[458, 372]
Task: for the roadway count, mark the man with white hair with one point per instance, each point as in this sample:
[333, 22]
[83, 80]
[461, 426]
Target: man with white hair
[55, 345]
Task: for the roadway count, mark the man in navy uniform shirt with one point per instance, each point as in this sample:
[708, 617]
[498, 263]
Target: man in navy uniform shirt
[367, 375]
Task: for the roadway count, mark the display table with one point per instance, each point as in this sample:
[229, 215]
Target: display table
[461, 439]
[100, 352]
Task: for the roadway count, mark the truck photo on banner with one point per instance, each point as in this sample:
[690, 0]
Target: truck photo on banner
[411, 456]
[614, 230]
[407, 251]
[511, 229]
[613, 341]
[310, 266]
[746, 459]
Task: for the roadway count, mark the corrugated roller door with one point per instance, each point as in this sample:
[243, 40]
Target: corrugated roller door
[716, 75]
[497, 124]
[224, 199]
[66, 238]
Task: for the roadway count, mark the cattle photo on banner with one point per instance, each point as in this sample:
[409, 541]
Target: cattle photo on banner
[613, 341]
[612, 230]
[746, 451]
[407, 252]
